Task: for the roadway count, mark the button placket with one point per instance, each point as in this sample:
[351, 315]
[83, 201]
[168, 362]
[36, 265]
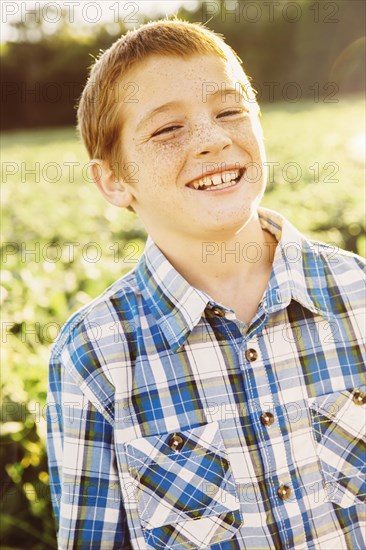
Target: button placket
[265, 422]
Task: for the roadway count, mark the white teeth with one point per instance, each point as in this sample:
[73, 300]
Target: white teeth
[215, 179]
[228, 176]
[222, 186]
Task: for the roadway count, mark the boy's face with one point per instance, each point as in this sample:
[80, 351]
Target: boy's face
[184, 120]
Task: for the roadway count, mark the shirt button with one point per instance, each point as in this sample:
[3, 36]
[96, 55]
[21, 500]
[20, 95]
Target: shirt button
[251, 354]
[176, 442]
[359, 398]
[267, 419]
[218, 311]
[284, 492]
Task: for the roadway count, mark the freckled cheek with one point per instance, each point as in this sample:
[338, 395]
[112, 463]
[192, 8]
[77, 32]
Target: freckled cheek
[249, 141]
[165, 157]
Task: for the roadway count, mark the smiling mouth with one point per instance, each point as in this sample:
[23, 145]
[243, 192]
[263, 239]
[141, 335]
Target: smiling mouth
[217, 181]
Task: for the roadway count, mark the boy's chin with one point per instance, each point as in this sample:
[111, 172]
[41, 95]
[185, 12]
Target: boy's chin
[224, 221]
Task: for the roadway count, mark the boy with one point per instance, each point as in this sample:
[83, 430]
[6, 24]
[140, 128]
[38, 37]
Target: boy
[222, 404]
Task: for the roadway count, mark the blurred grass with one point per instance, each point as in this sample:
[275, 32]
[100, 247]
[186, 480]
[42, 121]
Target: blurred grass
[45, 277]
[329, 139]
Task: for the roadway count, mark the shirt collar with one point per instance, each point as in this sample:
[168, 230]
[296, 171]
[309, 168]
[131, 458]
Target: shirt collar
[175, 304]
[177, 307]
[297, 271]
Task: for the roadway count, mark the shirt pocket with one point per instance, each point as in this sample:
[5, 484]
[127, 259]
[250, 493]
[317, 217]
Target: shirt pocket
[339, 425]
[186, 493]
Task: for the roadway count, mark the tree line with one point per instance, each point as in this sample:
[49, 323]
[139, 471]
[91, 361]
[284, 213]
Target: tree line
[291, 50]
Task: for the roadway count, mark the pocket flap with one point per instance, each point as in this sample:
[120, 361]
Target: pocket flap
[339, 424]
[190, 491]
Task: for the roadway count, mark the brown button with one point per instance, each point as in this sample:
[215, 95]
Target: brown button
[218, 311]
[267, 419]
[176, 442]
[284, 492]
[359, 398]
[251, 354]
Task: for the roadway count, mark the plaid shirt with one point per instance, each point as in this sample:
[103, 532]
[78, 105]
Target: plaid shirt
[172, 425]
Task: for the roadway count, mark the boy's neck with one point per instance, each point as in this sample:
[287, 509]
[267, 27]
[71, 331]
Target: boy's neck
[233, 270]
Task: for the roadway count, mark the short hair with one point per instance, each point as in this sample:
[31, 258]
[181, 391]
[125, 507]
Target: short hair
[99, 111]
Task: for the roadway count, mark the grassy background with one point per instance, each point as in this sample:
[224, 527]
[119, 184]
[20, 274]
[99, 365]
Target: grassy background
[45, 278]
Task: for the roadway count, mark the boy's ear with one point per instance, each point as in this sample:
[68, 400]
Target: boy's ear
[113, 189]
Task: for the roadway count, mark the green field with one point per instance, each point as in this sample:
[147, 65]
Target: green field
[63, 244]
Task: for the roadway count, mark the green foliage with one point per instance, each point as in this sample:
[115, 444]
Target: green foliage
[45, 278]
[324, 195]
[26, 513]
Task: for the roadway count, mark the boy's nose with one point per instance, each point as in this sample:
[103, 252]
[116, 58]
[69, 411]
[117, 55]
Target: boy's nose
[210, 140]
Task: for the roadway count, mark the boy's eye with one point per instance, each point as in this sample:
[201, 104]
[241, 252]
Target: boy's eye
[232, 112]
[166, 130]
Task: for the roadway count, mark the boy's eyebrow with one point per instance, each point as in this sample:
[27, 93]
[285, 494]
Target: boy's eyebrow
[158, 110]
[227, 91]
[171, 104]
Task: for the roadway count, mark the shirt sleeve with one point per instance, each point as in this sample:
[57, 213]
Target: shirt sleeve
[85, 489]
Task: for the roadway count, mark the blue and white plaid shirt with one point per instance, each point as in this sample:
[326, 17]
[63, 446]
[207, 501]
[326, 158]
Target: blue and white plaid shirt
[172, 425]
